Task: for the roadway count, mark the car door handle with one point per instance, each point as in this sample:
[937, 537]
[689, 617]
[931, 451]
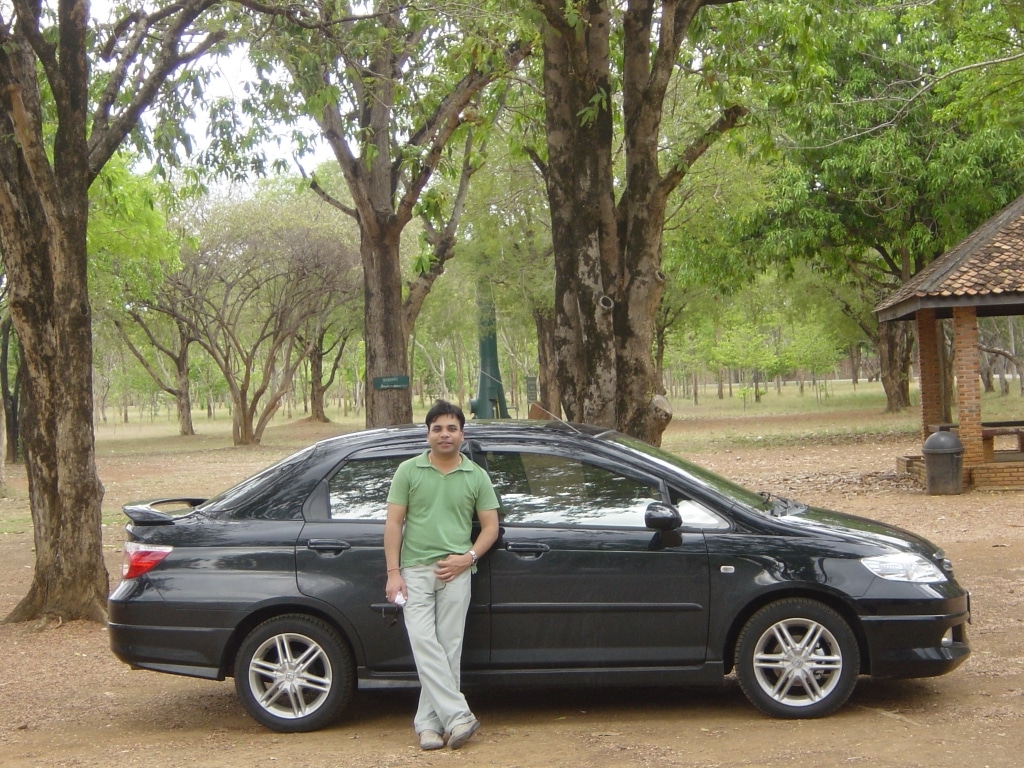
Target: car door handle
[328, 545]
[526, 548]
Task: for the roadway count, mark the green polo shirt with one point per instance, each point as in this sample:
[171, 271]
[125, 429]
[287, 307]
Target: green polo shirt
[439, 508]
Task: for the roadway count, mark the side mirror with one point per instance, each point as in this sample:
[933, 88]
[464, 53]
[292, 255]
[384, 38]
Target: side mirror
[662, 517]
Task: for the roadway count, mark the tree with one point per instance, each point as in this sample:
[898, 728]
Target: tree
[130, 251]
[56, 134]
[256, 294]
[170, 338]
[607, 243]
[508, 243]
[390, 91]
[12, 373]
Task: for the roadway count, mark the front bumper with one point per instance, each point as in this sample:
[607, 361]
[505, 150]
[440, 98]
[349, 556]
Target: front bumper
[918, 645]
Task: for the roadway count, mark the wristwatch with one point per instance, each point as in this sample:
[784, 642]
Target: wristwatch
[473, 556]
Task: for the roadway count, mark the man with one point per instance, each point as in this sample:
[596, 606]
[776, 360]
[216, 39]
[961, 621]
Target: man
[430, 557]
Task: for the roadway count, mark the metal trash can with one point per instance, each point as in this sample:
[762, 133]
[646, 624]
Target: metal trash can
[943, 463]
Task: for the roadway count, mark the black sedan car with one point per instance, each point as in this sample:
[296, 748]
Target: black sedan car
[618, 564]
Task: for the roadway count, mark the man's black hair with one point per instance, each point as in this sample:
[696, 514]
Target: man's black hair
[444, 408]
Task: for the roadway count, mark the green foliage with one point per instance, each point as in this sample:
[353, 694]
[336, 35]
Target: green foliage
[129, 245]
[879, 172]
[982, 66]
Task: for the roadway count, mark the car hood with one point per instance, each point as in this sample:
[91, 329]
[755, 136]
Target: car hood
[858, 529]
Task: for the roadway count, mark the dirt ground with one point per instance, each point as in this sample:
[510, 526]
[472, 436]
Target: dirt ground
[66, 701]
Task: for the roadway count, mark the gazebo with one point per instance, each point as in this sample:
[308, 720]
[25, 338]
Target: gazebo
[982, 276]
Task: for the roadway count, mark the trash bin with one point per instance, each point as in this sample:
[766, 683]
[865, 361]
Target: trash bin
[943, 463]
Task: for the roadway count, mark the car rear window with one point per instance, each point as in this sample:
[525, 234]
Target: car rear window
[254, 487]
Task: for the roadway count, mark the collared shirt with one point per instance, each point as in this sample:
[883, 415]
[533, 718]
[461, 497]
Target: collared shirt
[439, 507]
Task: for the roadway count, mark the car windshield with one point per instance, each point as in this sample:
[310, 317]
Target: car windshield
[253, 486]
[701, 475]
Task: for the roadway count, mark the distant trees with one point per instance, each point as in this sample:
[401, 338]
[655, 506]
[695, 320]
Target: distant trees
[259, 292]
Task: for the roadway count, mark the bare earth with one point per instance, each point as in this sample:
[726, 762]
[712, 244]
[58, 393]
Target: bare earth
[66, 701]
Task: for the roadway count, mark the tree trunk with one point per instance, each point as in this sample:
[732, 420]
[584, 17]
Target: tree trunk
[608, 279]
[547, 376]
[11, 394]
[183, 401]
[581, 200]
[386, 344]
[183, 391]
[70, 579]
[316, 383]
[43, 221]
[895, 351]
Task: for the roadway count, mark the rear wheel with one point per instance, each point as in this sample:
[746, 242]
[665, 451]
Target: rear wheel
[294, 674]
[797, 658]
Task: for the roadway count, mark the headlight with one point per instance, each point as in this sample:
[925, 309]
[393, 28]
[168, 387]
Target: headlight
[904, 567]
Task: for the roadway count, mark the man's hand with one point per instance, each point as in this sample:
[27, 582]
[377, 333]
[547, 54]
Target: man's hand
[395, 586]
[452, 566]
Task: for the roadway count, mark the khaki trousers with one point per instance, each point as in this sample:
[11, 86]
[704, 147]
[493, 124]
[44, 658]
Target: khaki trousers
[435, 619]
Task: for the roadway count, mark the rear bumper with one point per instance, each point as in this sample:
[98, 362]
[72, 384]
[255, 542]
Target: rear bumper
[191, 651]
[148, 634]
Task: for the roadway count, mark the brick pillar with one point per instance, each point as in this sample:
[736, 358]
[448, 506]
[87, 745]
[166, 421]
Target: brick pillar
[929, 367]
[968, 385]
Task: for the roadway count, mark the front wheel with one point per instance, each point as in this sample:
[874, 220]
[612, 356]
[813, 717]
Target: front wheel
[294, 674]
[797, 658]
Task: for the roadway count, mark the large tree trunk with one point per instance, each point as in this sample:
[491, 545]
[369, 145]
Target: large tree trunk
[608, 279]
[70, 580]
[43, 219]
[583, 229]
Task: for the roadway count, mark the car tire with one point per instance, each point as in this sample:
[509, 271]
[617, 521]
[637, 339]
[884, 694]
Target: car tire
[797, 658]
[294, 674]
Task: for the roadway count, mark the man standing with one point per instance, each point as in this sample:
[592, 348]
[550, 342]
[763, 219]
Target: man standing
[430, 556]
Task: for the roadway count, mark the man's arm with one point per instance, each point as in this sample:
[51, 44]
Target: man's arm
[393, 550]
[453, 565]
[488, 531]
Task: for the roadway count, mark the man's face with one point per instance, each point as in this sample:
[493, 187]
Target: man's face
[444, 436]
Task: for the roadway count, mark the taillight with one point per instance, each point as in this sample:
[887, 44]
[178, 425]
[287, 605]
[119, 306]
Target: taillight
[139, 558]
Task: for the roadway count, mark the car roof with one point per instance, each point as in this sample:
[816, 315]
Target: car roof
[484, 429]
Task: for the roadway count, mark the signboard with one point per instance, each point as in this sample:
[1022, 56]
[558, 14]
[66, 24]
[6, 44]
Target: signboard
[531, 389]
[391, 382]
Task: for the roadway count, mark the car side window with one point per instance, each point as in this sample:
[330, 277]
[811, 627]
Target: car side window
[558, 490]
[359, 489]
[695, 514]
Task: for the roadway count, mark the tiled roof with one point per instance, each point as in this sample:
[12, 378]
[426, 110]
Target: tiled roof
[986, 269]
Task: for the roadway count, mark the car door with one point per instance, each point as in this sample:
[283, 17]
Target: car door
[340, 560]
[577, 580]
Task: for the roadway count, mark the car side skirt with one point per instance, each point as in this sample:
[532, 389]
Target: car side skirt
[709, 674]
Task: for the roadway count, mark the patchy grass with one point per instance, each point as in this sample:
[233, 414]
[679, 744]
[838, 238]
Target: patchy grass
[833, 415]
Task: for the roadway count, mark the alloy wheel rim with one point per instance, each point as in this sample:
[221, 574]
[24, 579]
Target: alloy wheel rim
[798, 662]
[290, 676]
